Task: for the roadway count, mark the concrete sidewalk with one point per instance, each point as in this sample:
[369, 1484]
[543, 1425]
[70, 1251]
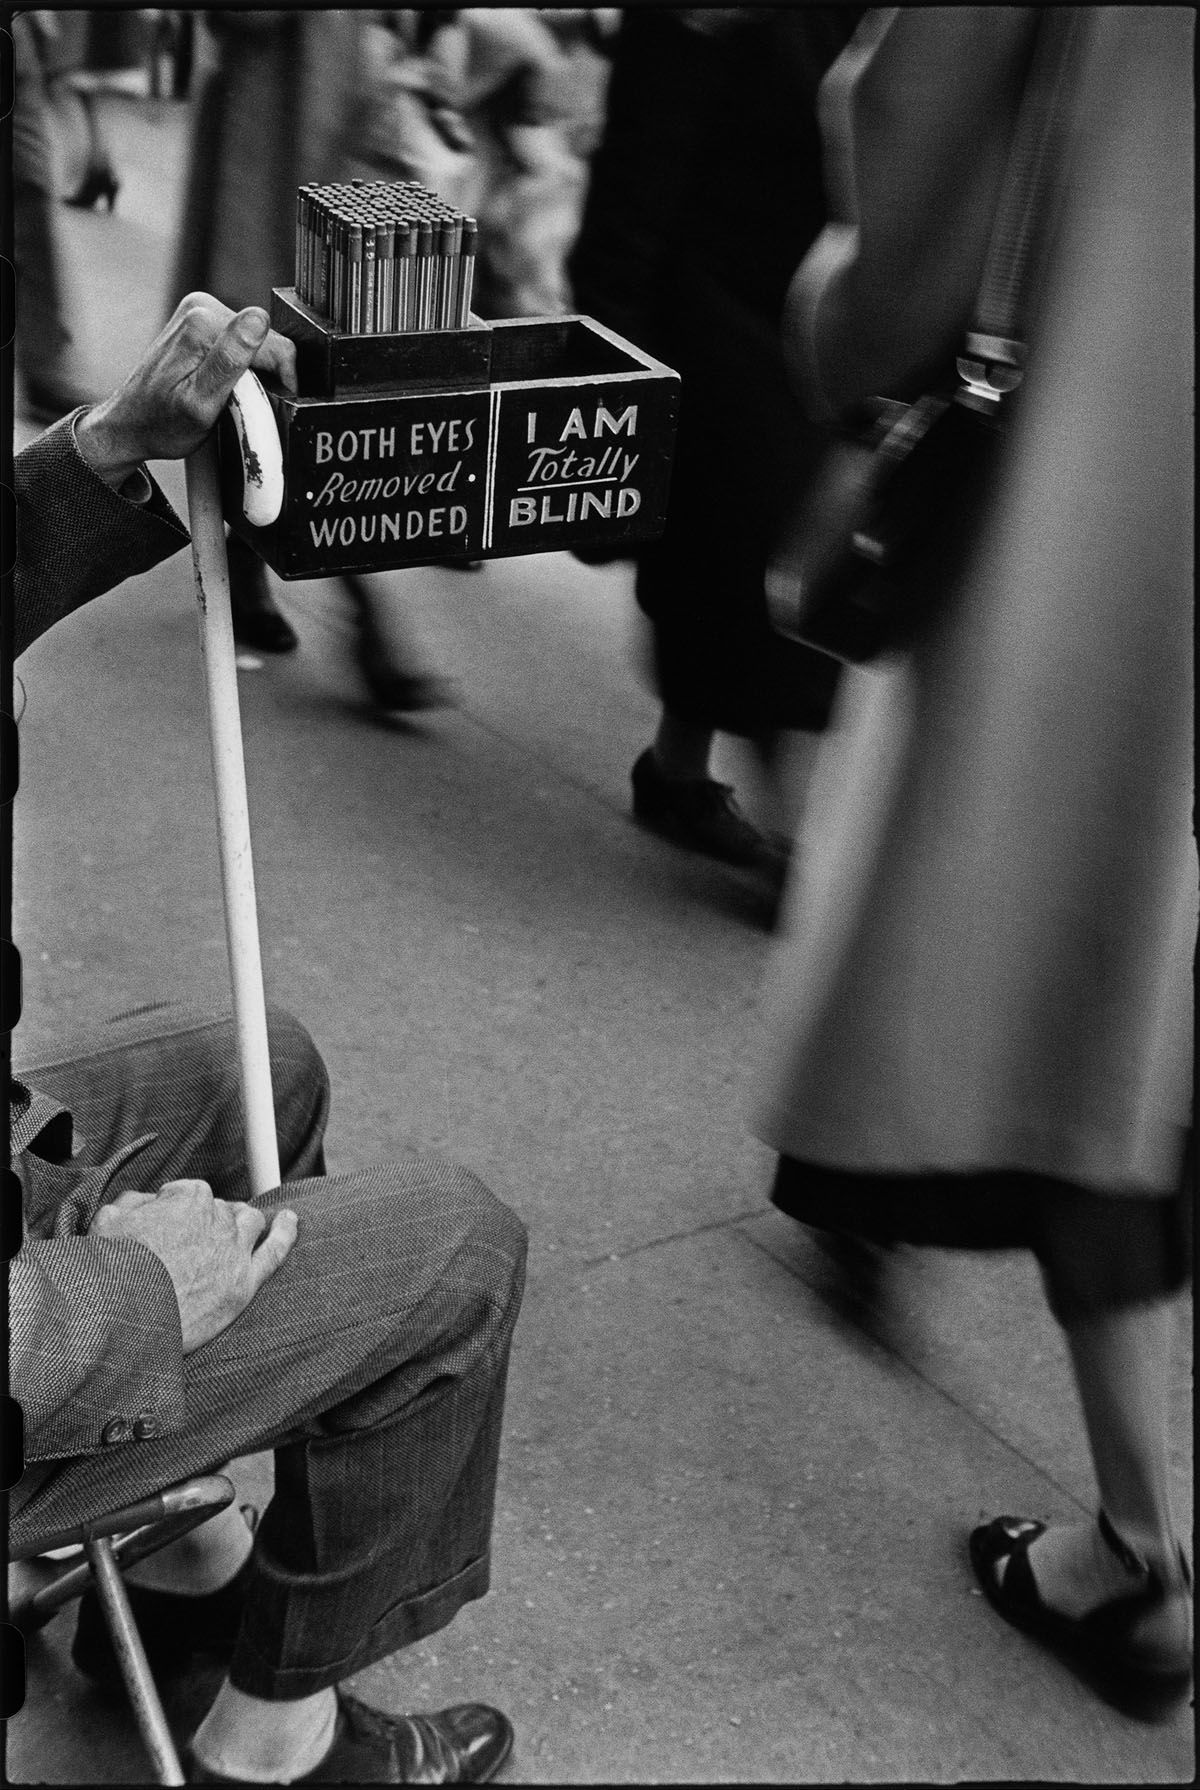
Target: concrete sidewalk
[730, 1543]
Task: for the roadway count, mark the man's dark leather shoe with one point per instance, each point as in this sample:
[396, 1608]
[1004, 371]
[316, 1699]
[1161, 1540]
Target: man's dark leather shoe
[464, 1745]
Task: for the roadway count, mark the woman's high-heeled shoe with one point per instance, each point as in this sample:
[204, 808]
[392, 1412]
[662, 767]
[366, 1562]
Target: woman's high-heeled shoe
[1133, 1643]
[97, 184]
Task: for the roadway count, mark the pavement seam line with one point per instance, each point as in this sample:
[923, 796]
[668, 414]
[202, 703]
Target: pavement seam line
[598, 792]
[623, 1255]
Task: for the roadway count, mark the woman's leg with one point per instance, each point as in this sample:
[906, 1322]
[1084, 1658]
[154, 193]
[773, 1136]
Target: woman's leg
[1112, 1268]
[43, 345]
[1121, 1361]
[1122, 1369]
[100, 159]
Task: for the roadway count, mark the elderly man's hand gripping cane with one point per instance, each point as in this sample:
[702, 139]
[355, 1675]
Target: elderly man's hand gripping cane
[172, 399]
[167, 409]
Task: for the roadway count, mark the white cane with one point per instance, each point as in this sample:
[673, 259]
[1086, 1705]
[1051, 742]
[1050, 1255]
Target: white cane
[260, 455]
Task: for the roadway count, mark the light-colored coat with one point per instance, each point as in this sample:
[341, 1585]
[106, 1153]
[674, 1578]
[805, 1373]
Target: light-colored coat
[988, 954]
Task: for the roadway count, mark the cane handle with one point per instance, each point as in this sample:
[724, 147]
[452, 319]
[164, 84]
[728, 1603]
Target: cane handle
[260, 449]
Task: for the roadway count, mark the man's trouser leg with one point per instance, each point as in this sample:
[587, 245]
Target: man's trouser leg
[374, 1362]
[166, 1076]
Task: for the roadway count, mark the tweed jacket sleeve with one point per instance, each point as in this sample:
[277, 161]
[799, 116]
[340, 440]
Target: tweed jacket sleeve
[96, 1353]
[95, 1344]
[95, 1347]
[77, 538]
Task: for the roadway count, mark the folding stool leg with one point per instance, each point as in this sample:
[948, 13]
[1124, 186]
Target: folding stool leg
[154, 1523]
[135, 1668]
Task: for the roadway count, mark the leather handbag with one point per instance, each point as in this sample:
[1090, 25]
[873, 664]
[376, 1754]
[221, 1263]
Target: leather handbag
[860, 564]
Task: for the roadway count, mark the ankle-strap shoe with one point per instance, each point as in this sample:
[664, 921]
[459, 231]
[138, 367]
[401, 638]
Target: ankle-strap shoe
[1136, 1648]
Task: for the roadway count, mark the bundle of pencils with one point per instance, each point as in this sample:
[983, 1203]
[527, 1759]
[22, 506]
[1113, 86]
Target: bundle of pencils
[377, 255]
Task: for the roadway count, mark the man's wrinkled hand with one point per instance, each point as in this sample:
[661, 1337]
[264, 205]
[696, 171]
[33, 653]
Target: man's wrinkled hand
[215, 1250]
[178, 389]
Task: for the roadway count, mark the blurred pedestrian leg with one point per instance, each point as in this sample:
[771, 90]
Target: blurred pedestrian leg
[1110, 1276]
[280, 99]
[99, 183]
[384, 654]
[258, 622]
[43, 341]
[704, 193]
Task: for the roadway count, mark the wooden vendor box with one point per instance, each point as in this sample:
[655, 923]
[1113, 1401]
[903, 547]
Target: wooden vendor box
[527, 436]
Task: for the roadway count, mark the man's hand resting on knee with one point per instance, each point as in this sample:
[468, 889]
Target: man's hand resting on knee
[180, 386]
[214, 1250]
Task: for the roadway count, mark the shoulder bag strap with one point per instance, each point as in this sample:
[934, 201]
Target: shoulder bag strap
[995, 350]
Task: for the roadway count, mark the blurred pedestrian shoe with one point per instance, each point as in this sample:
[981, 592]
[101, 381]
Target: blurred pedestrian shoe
[466, 1744]
[695, 812]
[393, 690]
[392, 687]
[257, 621]
[97, 184]
[1138, 1643]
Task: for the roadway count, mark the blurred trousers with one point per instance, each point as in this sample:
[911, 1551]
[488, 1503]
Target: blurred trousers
[373, 1361]
[43, 335]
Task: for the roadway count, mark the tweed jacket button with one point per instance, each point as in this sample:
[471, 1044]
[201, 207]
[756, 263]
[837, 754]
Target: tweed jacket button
[116, 1431]
[144, 1427]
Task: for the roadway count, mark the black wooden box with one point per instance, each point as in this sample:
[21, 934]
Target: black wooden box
[331, 363]
[526, 436]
